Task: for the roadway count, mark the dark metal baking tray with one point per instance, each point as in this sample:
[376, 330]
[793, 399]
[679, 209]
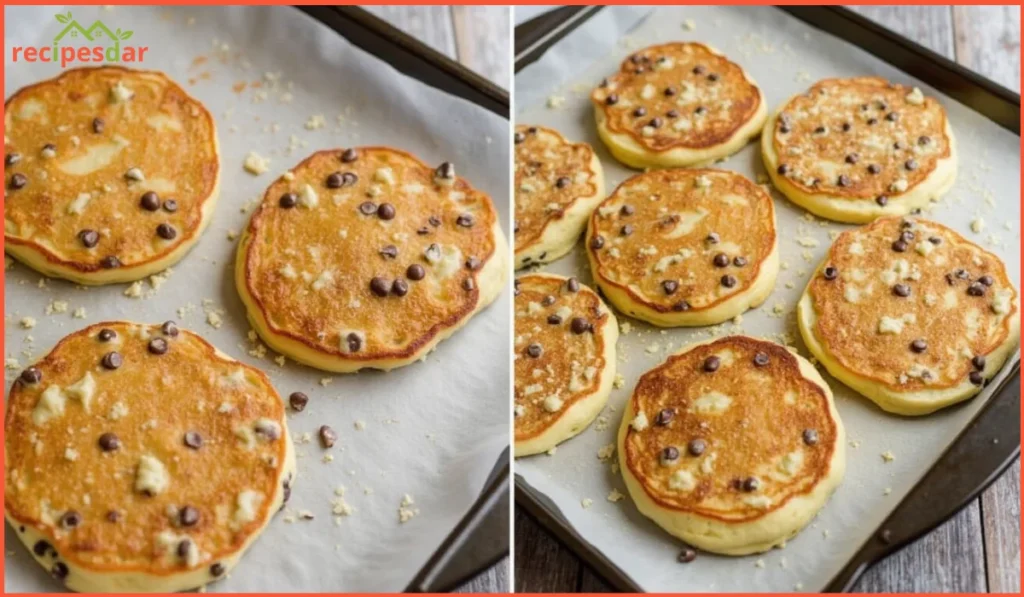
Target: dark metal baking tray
[480, 539]
[986, 446]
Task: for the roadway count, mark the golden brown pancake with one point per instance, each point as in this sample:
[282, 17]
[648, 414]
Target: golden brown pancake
[139, 458]
[732, 445]
[685, 246]
[111, 174]
[677, 104]
[558, 184]
[855, 149]
[367, 257]
[910, 314]
[564, 360]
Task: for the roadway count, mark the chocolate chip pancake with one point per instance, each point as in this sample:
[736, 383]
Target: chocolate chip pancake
[684, 247]
[910, 314]
[111, 174]
[677, 104]
[564, 360]
[852, 150]
[558, 184]
[141, 459]
[367, 258]
[732, 445]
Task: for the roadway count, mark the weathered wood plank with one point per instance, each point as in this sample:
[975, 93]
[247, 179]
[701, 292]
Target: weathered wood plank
[590, 582]
[430, 24]
[482, 40]
[542, 564]
[1000, 515]
[949, 559]
[494, 580]
[930, 26]
[987, 39]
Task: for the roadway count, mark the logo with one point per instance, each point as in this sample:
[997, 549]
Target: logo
[78, 44]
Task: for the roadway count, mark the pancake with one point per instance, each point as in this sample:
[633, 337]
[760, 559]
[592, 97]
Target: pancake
[150, 471]
[111, 174]
[953, 330]
[852, 150]
[564, 360]
[677, 104]
[558, 184]
[684, 247]
[733, 445]
[367, 258]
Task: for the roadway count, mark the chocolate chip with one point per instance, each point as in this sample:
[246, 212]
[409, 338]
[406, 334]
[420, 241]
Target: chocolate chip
[830, 273]
[572, 285]
[696, 447]
[739, 261]
[415, 272]
[819, 130]
[169, 328]
[298, 401]
[670, 91]
[386, 211]
[183, 548]
[785, 127]
[399, 287]
[924, 140]
[810, 436]
[978, 362]
[728, 281]
[380, 286]
[288, 200]
[712, 363]
[987, 280]
[349, 155]
[846, 127]
[627, 210]
[534, 350]
[611, 100]
[976, 378]
[333, 180]
[664, 416]
[901, 290]
[367, 208]
[327, 436]
[515, 287]
[562, 182]
[389, 252]
[464, 220]
[681, 306]
[166, 231]
[843, 180]
[700, 111]
[49, 147]
[149, 201]
[687, 555]
[188, 516]
[713, 77]
[655, 122]
[751, 484]
[721, 260]
[670, 454]
[976, 289]
[519, 138]
[473, 263]
[12, 159]
[218, 568]
[579, 325]
[32, 375]
[760, 359]
[919, 345]
[548, 300]
[670, 286]
[193, 440]
[783, 169]
[699, 70]
[170, 206]
[910, 165]
[97, 125]
[112, 360]
[639, 112]
[158, 346]
[70, 519]
[468, 284]
[597, 242]
[41, 547]
[354, 342]
[712, 238]
[935, 240]
[60, 570]
[899, 246]
[673, 113]
[109, 442]
[554, 319]
[18, 181]
[872, 121]
[113, 516]
[89, 238]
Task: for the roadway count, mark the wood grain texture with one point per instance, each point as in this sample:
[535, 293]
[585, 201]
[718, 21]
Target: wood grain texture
[988, 40]
[430, 24]
[1000, 518]
[542, 564]
[930, 26]
[482, 40]
[493, 580]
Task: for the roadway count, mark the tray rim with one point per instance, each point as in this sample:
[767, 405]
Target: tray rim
[546, 30]
[454, 79]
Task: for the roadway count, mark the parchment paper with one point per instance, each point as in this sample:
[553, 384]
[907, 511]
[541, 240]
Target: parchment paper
[434, 429]
[784, 56]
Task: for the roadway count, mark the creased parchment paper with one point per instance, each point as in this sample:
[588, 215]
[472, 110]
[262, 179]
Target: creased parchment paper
[784, 56]
[434, 429]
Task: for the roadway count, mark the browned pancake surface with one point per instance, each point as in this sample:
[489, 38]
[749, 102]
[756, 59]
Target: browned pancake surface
[310, 268]
[751, 419]
[568, 364]
[859, 138]
[677, 95]
[57, 466]
[79, 140]
[940, 272]
[659, 234]
[551, 175]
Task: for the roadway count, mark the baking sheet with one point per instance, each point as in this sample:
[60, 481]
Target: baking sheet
[785, 56]
[434, 429]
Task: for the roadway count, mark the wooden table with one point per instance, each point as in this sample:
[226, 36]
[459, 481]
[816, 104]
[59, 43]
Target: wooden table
[979, 549]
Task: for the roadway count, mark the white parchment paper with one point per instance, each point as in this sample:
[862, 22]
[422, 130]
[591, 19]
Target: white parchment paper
[785, 56]
[434, 429]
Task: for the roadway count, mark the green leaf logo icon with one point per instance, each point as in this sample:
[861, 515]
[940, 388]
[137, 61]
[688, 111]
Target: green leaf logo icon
[125, 35]
[63, 19]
